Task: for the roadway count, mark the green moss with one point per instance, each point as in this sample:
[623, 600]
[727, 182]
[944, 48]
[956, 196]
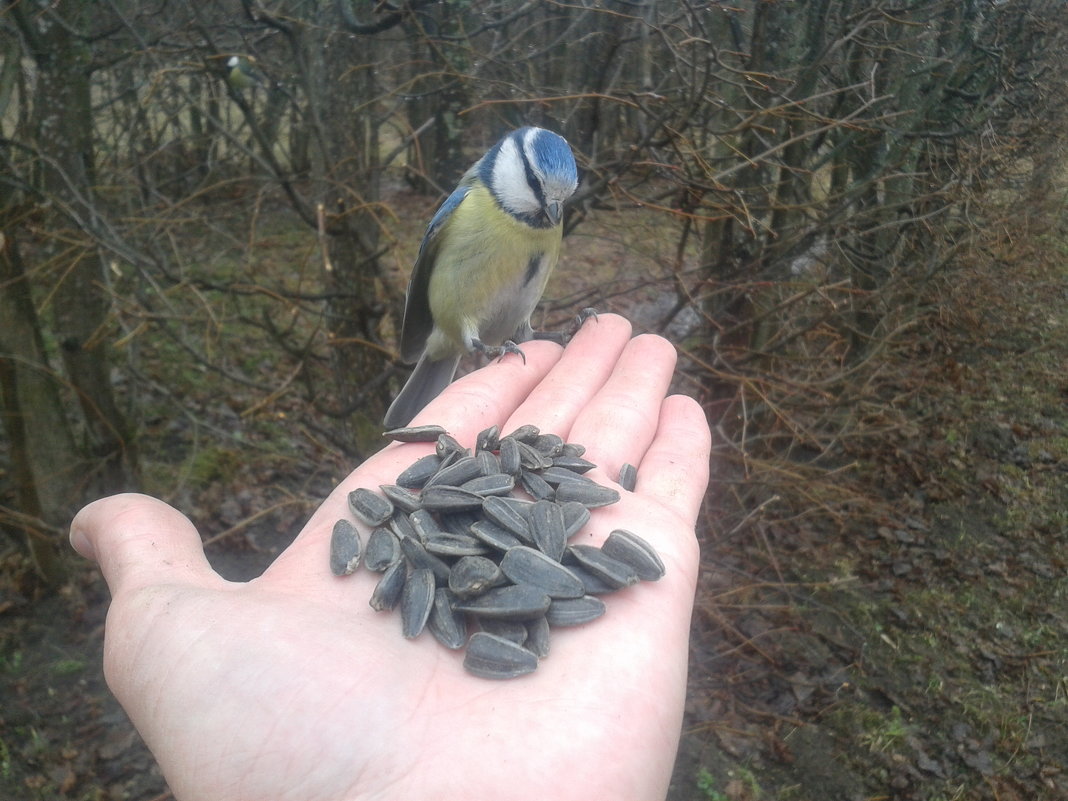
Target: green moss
[215, 464]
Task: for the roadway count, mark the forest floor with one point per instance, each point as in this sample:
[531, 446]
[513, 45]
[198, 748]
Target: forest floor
[918, 651]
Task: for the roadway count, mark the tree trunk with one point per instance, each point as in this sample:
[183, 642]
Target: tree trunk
[45, 466]
[80, 301]
[346, 178]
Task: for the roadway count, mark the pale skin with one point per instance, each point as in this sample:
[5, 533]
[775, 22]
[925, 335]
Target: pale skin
[291, 687]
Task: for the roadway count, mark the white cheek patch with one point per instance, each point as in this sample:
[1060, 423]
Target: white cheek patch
[510, 181]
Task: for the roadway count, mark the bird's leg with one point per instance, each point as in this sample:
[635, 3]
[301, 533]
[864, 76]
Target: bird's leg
[495, 351]
[563, 337]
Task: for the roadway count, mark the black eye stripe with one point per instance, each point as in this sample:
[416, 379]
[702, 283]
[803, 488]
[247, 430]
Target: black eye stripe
[532, 179]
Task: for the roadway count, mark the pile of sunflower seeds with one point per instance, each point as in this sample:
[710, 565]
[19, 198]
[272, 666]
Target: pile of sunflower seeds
[455, 546]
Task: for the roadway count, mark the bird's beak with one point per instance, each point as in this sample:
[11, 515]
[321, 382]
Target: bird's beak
[554, 211]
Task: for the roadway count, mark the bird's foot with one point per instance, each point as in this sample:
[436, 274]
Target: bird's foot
[582, 317]
[498, 351]
[563, 337]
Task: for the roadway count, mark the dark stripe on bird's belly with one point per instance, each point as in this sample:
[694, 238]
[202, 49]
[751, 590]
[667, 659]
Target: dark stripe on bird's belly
[533, 268]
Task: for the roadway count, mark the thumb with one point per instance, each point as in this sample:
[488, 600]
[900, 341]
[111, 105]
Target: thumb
[140, 541]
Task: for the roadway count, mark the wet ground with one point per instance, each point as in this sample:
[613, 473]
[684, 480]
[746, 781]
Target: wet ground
[906, 639]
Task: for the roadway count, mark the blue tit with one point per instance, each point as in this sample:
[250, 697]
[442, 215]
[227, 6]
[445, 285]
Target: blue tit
[242, 74]
[484, 262]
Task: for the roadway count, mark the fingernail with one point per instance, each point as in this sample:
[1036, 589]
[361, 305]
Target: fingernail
[80, 542]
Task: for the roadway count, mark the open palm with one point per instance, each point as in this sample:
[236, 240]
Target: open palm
[291, 687]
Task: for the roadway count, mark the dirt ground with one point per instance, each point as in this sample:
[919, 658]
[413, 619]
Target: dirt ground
[916, 650]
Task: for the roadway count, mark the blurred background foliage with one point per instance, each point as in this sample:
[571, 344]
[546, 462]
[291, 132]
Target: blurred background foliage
[201, 278]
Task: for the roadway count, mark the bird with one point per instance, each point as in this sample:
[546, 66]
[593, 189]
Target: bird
[484, 262]
[242, 74]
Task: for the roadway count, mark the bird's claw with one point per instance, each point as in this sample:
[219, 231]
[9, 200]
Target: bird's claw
[499, 351]
[581, 318]
[510, 347]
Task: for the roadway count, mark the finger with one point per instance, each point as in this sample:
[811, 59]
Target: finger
[489, 395]
[140, 541]
[620, 420]
[672, 479]
[675, 468]
[584, 367]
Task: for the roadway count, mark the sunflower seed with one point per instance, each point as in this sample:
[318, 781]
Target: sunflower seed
[513, 630]
[344, 548]
[555, 476]
[572, 449]
[575, 464]
[536, 486]
[389, 588]
[420, 471]
[422, 523]
[515, 602]
[575, 517]
[419, 558]
[628, 476]
[460, 523]
[538, 637]
[589, 495]
[370, 507]
[506, 515]
[446, 498]
[520, 505]
[488, 463]
[509, 456]
[548, 444]
[574, 611]
[452, 457]
[525, 565]
[602, 565]
[447, 444]
[594, 585]
[463, 469]
[494, 535]
[532, 459]
[454, 545]
[527, 433]
[496, 484]
[547, 528]
[633, 550]
[401, 497]
[383, 549]
[448, 627]
[473, 575]
[491, 657]
[488, 440]
[415, 434]
[416, 602]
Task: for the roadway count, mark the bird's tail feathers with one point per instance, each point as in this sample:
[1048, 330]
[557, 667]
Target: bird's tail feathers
[426, 382]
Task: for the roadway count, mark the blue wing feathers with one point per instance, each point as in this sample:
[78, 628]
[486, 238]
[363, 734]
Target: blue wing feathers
[443, 212]
[418, 322]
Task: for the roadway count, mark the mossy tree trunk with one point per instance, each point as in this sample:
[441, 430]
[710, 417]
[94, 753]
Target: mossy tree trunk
[104, 460]
[45, 466]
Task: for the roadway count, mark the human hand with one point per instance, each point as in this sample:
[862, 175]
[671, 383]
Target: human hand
[291, 687]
